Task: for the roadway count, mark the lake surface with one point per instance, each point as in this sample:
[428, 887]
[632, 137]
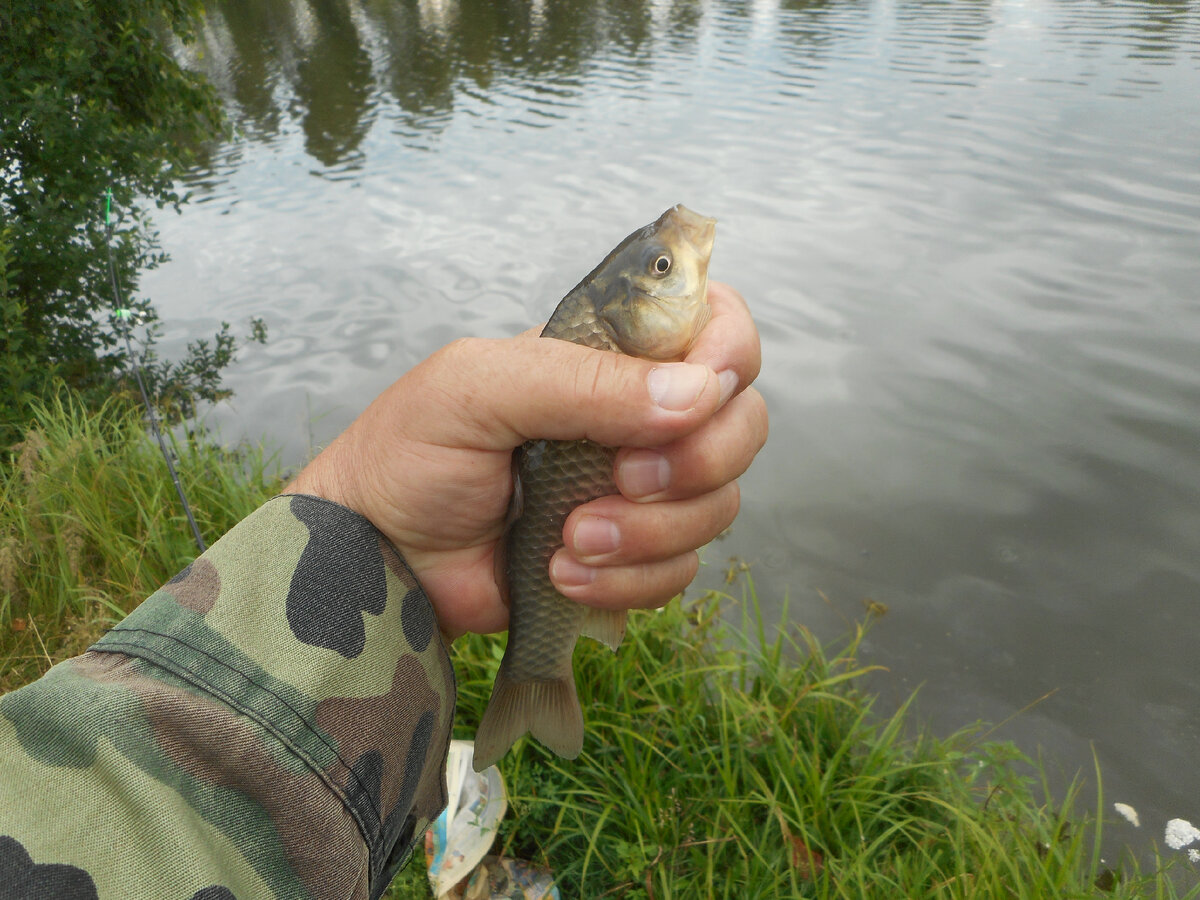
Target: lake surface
[969, 232]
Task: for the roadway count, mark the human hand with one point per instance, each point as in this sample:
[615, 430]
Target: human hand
[429, 461]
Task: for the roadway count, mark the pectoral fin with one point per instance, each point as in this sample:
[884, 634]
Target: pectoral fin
[516, 505]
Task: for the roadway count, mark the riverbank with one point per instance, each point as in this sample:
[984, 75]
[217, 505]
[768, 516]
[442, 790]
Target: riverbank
[724, 757]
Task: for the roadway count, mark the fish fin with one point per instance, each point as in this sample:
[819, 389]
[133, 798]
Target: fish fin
[606, 626]
[516, 505]
[549, 710]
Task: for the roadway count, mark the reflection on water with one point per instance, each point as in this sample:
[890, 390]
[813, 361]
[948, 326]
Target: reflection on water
[329, 63]
[970, 234]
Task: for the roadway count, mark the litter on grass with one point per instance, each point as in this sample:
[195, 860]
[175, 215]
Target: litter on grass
[457, 844]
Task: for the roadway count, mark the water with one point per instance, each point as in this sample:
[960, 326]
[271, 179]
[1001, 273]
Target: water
[970, 234]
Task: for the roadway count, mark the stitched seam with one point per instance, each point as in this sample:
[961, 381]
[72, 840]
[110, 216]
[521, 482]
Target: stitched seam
[113, 644]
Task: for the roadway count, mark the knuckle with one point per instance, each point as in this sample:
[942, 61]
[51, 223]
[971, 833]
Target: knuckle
[733, 502]
[593, 373]
[654, 584]
[689, 566]
[708, 471]
[761, 420]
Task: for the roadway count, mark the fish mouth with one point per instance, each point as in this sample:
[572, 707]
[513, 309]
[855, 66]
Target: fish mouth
[697, 230]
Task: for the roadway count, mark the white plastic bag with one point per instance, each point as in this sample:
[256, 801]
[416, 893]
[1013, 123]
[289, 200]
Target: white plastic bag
[464, 832]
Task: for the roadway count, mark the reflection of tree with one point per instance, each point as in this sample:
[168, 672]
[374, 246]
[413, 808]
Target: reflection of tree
[261, 44]
[324, 61]
[805, 37]
[329, 56]
[418, 72]
[333, 84]
[966, 20]
[1157, 29]
[482, 41]
[934, 38]
[683, 21]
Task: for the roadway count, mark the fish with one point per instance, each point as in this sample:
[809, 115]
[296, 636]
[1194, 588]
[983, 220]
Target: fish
[649, 299]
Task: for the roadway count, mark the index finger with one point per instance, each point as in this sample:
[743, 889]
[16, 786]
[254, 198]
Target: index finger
[729, 342]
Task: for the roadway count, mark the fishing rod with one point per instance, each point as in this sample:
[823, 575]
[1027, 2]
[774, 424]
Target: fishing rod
[125, 318]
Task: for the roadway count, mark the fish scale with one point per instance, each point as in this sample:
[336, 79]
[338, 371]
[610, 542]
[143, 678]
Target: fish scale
[556, 476]
[648, 298]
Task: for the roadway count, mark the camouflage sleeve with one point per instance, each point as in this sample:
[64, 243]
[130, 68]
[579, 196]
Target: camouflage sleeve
[273, 722]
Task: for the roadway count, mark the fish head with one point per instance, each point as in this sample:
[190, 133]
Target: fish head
[656, 298]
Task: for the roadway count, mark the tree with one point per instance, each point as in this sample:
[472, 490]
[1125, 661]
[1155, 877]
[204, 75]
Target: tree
[90, 101]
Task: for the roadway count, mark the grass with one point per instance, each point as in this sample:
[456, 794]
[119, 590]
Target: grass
[90, 524]
[723, 758]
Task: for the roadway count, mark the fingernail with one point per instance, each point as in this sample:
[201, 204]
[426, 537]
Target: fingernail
[729, 383]
[677, 386]
[595, 536]
[569, 572]
[643, 473]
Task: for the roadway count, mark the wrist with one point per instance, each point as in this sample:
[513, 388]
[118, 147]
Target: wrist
[330, 476]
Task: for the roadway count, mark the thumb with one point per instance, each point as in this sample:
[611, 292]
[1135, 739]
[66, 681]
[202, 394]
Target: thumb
[496, 394]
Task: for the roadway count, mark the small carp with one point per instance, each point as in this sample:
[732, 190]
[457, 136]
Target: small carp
[648, 298]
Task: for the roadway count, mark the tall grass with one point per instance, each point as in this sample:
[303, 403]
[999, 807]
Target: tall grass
[90, 524]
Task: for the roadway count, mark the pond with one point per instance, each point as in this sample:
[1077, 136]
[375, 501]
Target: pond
[969, 232]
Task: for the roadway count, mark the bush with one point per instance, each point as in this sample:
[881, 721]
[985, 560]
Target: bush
[90, 102]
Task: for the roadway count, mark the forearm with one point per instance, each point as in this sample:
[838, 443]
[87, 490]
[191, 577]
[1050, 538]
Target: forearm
[274, 720]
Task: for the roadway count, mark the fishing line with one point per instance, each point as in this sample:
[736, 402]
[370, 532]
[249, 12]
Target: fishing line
[125, 317]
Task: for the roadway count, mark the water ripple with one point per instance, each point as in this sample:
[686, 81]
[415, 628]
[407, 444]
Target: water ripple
[968, 230]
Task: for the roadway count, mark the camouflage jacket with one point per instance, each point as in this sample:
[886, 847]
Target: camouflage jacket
[272, 722]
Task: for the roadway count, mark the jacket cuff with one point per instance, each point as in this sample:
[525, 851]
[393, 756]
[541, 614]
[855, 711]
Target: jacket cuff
[306, 620]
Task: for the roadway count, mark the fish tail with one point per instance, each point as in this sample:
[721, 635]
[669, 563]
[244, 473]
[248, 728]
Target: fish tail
[549, 710]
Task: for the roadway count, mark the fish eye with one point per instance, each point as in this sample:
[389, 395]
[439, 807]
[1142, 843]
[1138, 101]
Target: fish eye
[662, 265]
